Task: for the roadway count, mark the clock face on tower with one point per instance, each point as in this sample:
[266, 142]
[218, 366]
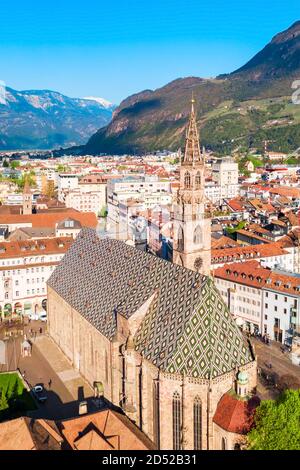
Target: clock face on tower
[198, 263]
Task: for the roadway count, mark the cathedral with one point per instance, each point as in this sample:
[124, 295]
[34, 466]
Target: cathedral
[192, 237]
[157, 335]
[160, 340]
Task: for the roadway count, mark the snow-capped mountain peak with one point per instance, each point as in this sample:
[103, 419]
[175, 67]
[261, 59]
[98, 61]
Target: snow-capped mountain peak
[105, 103]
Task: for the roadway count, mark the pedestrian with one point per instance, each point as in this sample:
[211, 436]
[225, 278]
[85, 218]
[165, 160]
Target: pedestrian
[50, 383]
[41, 330]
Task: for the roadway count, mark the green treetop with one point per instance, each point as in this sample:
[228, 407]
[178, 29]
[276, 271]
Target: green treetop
[277, 424]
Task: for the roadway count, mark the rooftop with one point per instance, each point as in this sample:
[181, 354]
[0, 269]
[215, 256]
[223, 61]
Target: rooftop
[104, 430]
[235, 415]
[49, 219]
[29, 434]
[186, 323]
[13, 249]
[251, 273]
[245, 252]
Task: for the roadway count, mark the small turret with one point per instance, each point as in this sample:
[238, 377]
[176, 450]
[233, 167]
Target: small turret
[242, 384]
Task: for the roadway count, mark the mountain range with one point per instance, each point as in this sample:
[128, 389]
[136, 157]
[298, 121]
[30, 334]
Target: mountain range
[44, 119]
[235, 111]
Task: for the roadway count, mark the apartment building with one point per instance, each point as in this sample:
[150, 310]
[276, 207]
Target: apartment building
[88, 196]
[65, 183]
[25, 267]
[149, 190]
[270, 255]
[225, 172]
[224, 184]
[261, 300]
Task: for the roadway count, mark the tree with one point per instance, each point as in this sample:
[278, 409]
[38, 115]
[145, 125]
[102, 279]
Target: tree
[277, 424]
[5, 163]
[15, 164]
[21, 181]
[3, 400]
[50, 191]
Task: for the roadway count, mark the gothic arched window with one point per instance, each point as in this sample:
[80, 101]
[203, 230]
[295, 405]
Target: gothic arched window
[187, 180]
[156, 413]
[180, 239]
[198, 180]
[176, 412]
[224, 445]
[197, 235]
[197, 424]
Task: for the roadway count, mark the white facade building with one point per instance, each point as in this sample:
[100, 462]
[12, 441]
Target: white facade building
[262, 300]
[25, 267]
[65, 183]
[225, 172]
[150, 191]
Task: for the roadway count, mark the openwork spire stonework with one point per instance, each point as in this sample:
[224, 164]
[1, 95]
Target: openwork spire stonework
[192, 152]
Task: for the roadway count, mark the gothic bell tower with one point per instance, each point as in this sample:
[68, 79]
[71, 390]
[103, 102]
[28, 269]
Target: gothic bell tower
[27, 199]
[192, 229]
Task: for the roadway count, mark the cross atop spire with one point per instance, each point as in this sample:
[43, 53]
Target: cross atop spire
[192, 152]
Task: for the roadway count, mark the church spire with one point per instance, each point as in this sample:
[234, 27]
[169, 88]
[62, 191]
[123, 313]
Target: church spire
[192, 152]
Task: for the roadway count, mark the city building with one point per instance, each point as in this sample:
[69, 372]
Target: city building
[263, 300]
[151, 191]
[224, 184]
[25, 267]
[157, 336]
[89, 195]
[192, 227]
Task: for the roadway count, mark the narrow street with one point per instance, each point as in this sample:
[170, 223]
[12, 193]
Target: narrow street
[281, 365]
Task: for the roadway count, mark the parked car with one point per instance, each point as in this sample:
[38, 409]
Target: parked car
[39, 393]
[43, 317]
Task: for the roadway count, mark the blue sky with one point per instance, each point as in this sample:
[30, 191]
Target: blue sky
[115, 48]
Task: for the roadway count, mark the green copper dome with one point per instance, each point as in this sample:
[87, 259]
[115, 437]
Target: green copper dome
[242, 378]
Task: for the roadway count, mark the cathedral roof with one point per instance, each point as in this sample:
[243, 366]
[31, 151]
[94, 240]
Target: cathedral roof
[235, 415]
[187, 328]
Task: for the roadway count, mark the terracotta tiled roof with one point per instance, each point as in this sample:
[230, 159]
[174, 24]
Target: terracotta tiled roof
[294, 219]
[49, 219]
[40, 247]
[278, 222]
[258, 229]
[245, 252]
[286, 191]
[223, 242]
[236, 204]
[251, 273]
[250, 234]
[258, 204]
[29, 434]
[104, 430]
[235, 415]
